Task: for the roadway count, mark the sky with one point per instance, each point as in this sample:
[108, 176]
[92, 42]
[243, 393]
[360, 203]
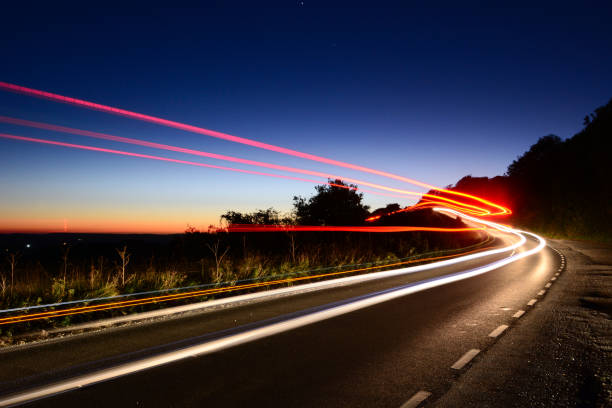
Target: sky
[432, 94]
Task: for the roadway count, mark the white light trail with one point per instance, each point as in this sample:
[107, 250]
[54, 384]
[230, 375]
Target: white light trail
[292, 323]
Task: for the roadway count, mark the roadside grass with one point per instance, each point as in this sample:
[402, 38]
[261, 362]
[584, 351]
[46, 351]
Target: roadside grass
[101, 278]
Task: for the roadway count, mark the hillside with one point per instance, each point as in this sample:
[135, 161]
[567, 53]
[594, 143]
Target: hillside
[559, 187]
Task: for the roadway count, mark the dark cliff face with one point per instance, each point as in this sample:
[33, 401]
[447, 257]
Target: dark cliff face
[560, 187]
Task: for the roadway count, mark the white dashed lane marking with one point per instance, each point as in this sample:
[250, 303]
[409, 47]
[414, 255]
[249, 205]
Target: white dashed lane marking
[542, 292]
[532, 302]
[548, 285]
[416, 399]
[466, 358]
[498, 331]
[518, 314]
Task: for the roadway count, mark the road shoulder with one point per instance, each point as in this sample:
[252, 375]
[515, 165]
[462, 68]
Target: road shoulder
[560, 353]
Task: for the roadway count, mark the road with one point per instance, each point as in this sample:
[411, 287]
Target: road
[379, 356]
[560, 354]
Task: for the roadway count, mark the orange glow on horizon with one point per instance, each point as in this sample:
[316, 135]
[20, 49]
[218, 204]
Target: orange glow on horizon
[498, 209]
[437, 197]
[94, 226]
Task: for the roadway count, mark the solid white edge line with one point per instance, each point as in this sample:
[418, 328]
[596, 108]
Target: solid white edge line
[466, 358]
[275, 328]
[416, 399]
[518, 314]
[499, 330]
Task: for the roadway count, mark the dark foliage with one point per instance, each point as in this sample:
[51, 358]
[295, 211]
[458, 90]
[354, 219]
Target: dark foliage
[559, 187]
[420, 218]
[386, 210]
[564, 186]
[264, 217]
[331, 205]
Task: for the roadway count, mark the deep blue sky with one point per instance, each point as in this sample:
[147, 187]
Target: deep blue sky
[429, 93]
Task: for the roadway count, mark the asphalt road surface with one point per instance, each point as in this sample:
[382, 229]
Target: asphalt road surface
[379, 356]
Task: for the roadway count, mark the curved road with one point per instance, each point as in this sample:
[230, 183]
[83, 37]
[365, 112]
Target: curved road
[379, 356]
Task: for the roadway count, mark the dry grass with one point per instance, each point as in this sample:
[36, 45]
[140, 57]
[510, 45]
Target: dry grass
[100, 276]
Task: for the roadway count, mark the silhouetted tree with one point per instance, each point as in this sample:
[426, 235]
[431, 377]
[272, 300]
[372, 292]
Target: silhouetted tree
[389, 208]
[536, 158]
[336, 203]
[269, 216]
[559, 186]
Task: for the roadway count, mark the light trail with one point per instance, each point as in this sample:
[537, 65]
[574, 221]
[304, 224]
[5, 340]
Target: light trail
[426, 204]
[458, 251]
[329, 228]
[147, 156]
[310, 316]
[180, 296]
[470, 209]
[499, 209]
[467, 208]
[191, 163]
[27, 317]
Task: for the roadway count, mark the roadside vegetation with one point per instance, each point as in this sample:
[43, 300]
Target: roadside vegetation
[44, 269]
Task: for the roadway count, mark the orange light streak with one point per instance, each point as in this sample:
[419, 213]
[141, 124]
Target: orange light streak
[466, 203]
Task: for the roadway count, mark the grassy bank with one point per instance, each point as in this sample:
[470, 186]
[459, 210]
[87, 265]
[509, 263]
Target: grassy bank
[66, 268]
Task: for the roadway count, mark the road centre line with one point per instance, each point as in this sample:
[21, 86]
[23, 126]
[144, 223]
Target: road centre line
[416, 399]
[498, 331]
[466, 358]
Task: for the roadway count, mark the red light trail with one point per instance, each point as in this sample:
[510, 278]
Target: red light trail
[166, 159]
[147, 156]
[498, 209]
[305, 228]
[470, 209]
[466, 204]
[104, 136]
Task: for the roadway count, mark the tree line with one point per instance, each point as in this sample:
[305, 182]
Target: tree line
[559, 187]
